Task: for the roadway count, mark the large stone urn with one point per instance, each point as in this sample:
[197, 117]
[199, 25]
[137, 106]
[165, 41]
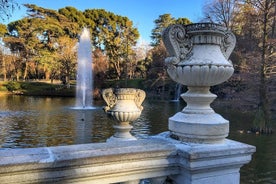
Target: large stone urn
[198, 58]
[124, 106]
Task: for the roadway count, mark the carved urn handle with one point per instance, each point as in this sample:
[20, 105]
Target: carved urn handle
[109, 97]
[177, 43]
[139, 98]
[228, 44]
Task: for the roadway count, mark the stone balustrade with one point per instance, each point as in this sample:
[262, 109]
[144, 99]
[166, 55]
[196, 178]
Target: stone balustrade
[155, 159]
[89, 163]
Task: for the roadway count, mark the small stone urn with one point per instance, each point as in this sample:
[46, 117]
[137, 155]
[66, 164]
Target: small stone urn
[124, 106]
[198, 58]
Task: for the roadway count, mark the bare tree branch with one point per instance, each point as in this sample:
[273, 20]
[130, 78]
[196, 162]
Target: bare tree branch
[6, 8]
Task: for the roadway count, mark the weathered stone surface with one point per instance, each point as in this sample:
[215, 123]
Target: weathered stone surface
[198, 58]
[156, 157]
[200, 128]
[124, 105]
[96, 163]
[210, 163]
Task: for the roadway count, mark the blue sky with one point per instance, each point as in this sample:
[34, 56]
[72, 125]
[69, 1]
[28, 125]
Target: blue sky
[141, 12]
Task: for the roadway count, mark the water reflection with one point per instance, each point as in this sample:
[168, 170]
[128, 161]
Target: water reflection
[35, 122]
[154, 117]
[262, 168]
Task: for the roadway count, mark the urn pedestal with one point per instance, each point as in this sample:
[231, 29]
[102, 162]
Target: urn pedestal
[199, 59]
[123, 106]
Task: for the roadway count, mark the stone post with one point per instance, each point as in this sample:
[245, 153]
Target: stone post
[198, 58]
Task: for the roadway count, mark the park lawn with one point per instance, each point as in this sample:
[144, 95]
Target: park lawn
[45, 88]
[36, 89]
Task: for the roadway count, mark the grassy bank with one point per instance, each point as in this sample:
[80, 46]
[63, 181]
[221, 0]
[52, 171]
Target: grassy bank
[56, 89]
[45, 88]
[36, 89]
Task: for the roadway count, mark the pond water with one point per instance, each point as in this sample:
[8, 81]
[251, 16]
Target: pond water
[40, 121]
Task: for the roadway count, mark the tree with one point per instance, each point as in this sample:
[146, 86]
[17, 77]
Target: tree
[100, 67]
[220, 11]
[256, 29]
[36, 39]
[184, 21]
[57, 35]
[17, 46]
[74, 15]
[157, 74]
[3, 30]
[253, 21]
[67, 57]
[119, 47]
[157, 70]
[54, 23]
[140, 60]
[113, 34]
[161, 23]
[8, 66]
[266, 10]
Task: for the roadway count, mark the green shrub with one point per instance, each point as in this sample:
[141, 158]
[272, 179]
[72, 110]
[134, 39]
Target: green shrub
[13, 86]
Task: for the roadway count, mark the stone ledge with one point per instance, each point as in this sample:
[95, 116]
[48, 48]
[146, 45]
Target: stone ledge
[99, 162]
[157, 156]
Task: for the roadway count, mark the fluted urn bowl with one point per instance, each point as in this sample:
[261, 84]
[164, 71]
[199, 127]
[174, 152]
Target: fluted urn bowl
[123, 103]
[199, 53]
[125, 109]
[124, 116]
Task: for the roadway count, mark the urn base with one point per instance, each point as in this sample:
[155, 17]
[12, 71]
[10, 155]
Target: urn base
[122, 133]
[118, 139]
[207, 128]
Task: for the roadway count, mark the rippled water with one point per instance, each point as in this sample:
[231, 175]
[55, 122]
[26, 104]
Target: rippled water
[36, 121]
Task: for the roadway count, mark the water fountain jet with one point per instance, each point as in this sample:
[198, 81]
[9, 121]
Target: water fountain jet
[84, 86]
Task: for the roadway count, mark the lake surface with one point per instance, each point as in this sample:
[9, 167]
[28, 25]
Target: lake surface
[40, 121]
